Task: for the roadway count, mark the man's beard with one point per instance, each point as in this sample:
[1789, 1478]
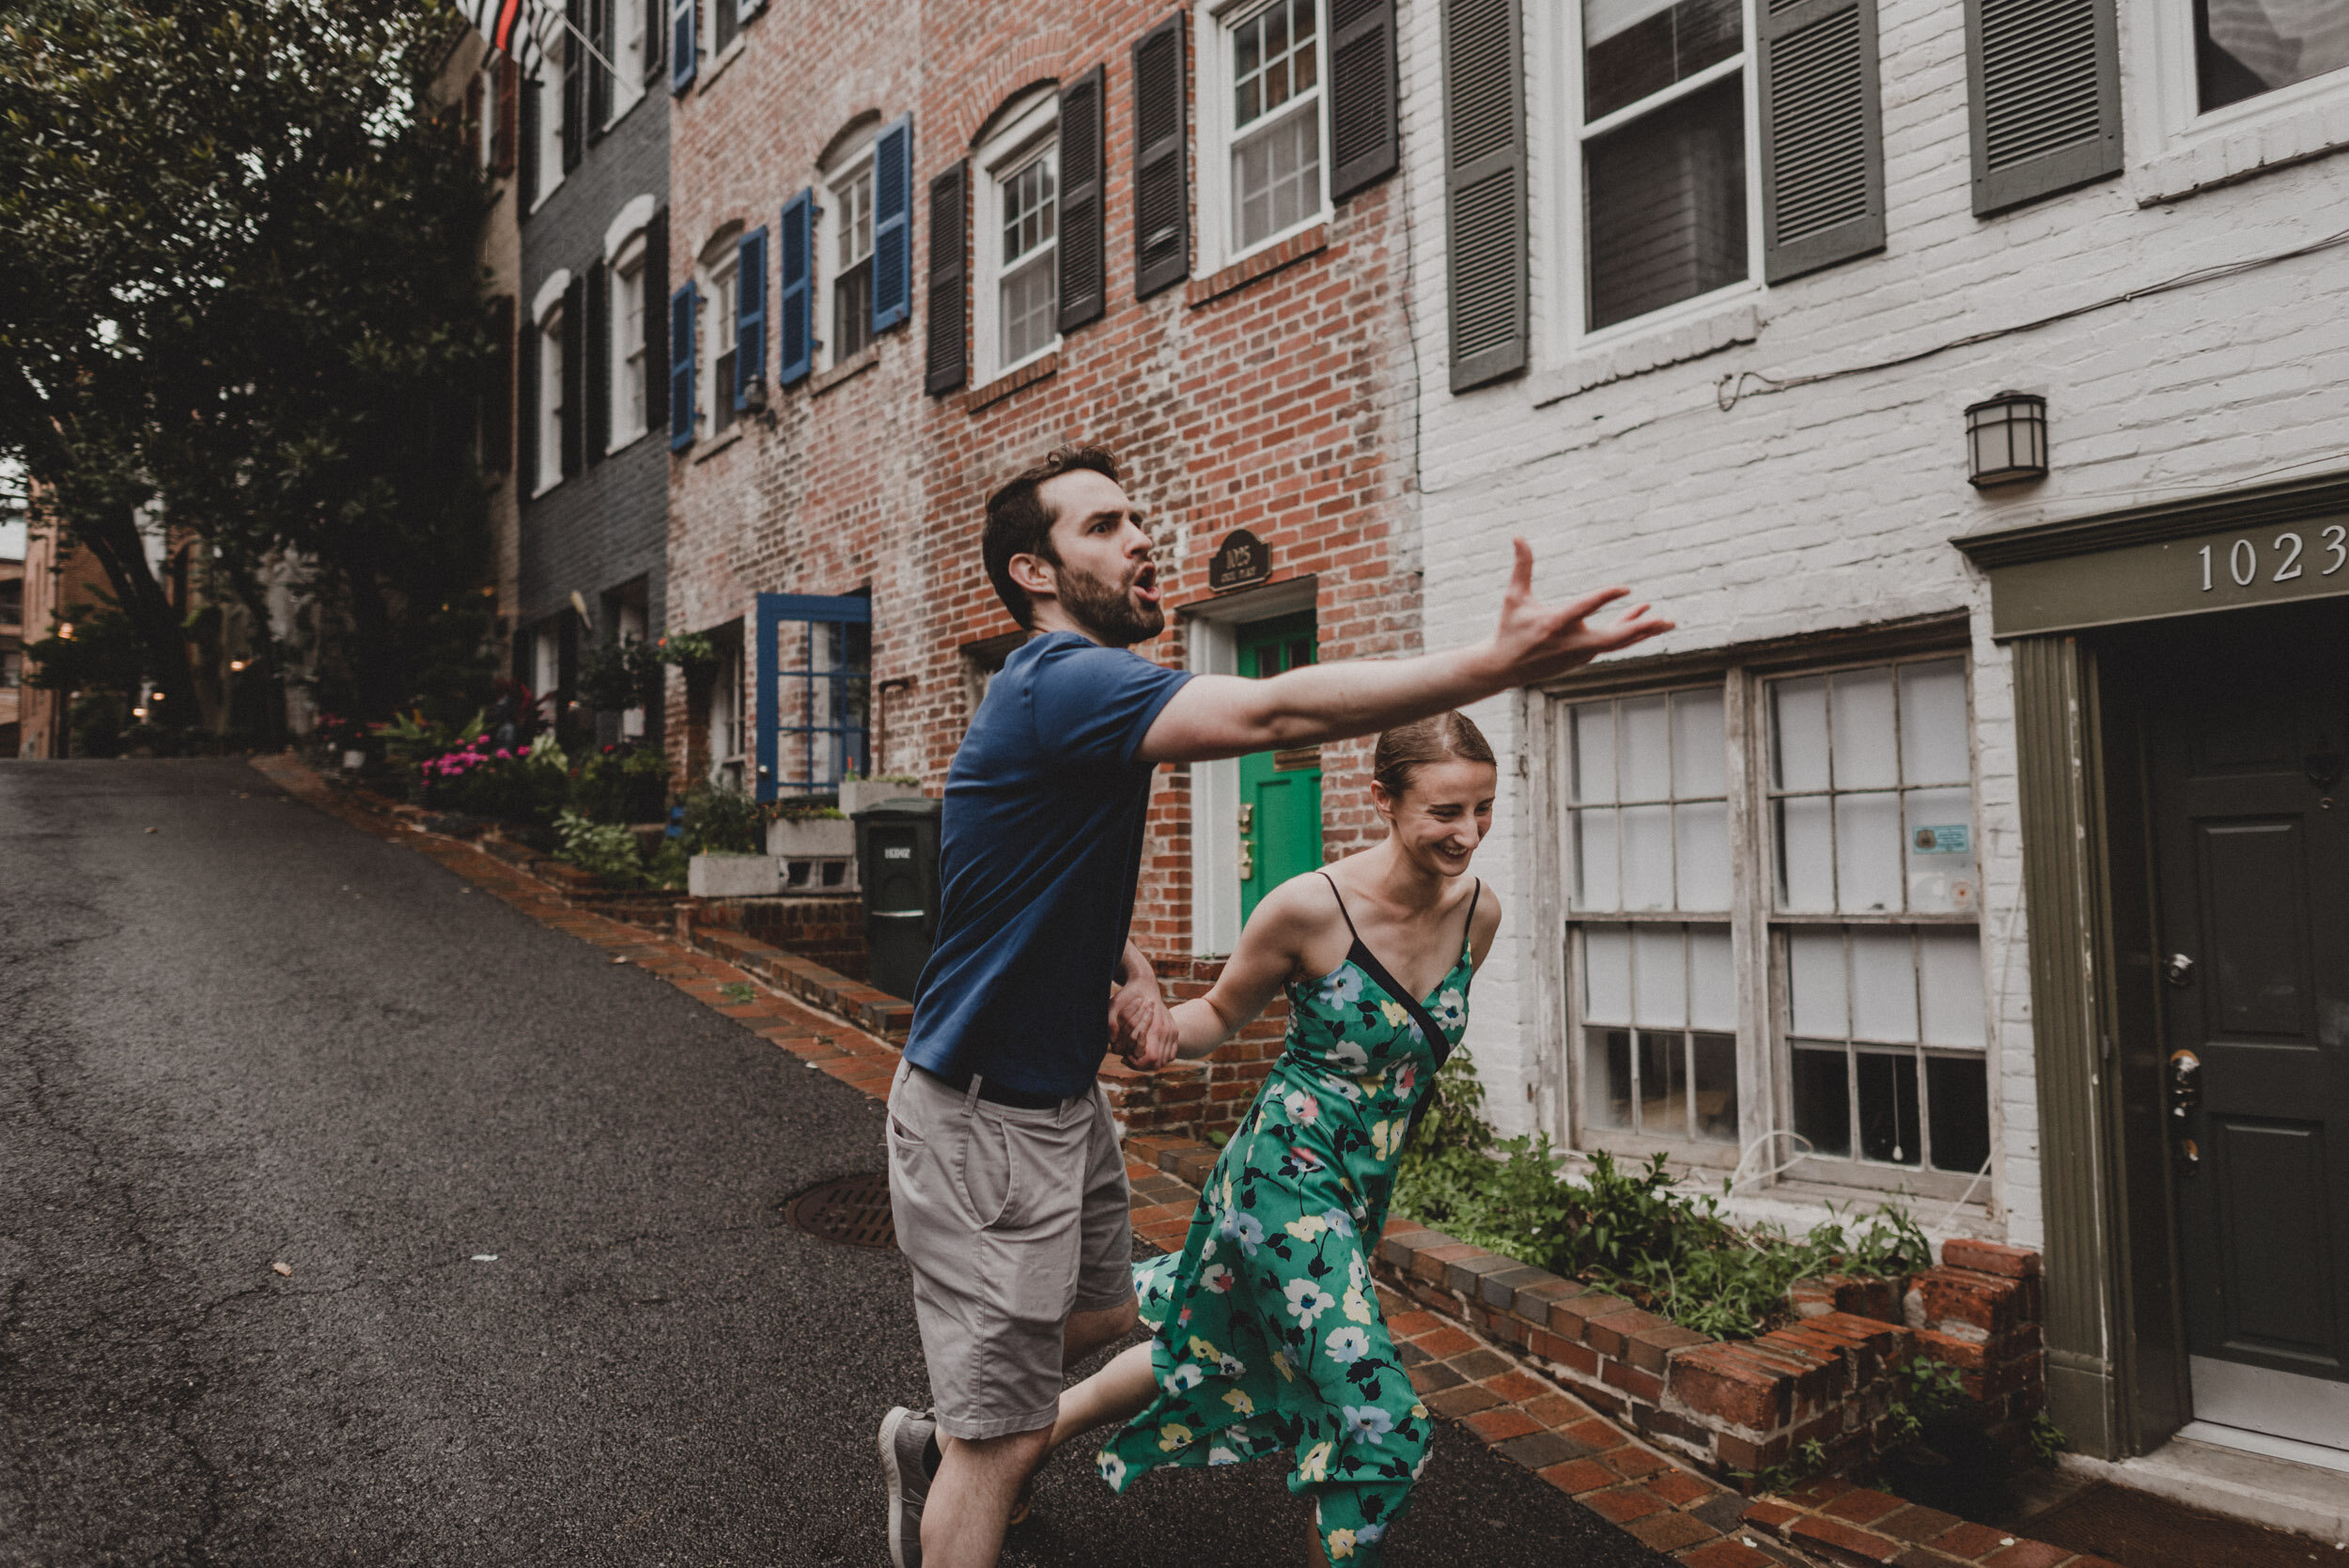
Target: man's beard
[1108, 610]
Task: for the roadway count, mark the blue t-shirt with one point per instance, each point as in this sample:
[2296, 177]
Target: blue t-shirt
[1039, 854]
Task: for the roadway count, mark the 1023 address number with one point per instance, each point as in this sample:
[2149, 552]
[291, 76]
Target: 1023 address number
[2289, 555]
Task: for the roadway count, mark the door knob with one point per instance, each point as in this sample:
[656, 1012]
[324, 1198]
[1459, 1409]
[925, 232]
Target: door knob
[2178, 970]
[2186, 1082]
[1248, 819]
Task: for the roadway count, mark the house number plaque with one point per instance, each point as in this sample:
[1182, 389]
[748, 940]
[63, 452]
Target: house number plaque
[1239, 560]
[2266, 564]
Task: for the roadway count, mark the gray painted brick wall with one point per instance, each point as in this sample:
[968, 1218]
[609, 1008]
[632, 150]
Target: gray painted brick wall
[607, 524]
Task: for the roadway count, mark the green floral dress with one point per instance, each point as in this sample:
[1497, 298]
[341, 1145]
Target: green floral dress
[1270, 1336]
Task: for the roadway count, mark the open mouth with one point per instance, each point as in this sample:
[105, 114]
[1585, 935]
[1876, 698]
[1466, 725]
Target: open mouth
[1145, 584]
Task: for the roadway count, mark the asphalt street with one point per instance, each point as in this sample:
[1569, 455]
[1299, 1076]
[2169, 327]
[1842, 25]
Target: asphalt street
[543, 1306]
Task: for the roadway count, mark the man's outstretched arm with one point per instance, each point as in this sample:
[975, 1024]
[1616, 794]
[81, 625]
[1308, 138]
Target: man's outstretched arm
[1224, 716]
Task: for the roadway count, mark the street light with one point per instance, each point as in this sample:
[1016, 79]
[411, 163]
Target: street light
[2006, 438]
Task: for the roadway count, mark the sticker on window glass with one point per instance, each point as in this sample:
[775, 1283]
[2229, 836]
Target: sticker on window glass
[1950, 839]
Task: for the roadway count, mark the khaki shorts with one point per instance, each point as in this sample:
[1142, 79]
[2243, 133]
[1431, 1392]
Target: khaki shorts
[1012, 1219]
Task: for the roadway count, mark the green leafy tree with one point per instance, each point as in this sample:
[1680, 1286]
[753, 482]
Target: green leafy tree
[237, 276]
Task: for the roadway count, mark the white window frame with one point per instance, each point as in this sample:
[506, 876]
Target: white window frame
[1757, 930]
[1219, 237]
[490, 110]
[546, 669]
[550, 134]
[550, 410]
[624, 356]
[833, 212]
[717, 304]
[1035, 126]
[1569, 281]
[631, 33]
[729, 762]
[2175, 148]
[1211, 633]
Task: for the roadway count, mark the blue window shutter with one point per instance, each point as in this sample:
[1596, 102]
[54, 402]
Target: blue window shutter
[893, 226]
[682, 336]
[750, 315]
[684, 53]
[796, 306]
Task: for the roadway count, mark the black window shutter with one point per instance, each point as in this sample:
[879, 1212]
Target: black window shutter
[949, 299]
[596, 367]
[1822, 135]
[656, 35]
[1484, 219]
[656, 287]
[509, 118]
[526, 351]
[893, 226]
[1365, 145]
[527, 153]
[574, 372]
[1081, 258]
[599, 79]
[497, 389]
[1161, 160]
[574, 90]
[2044, 96]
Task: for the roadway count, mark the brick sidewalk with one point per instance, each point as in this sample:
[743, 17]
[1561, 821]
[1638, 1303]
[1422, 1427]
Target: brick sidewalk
[1461, 1374]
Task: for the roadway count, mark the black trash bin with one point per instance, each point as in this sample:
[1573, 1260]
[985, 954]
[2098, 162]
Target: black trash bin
[897, 857]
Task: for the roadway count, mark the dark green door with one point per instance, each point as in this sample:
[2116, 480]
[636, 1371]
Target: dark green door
[2248, 754]
[1280, 792]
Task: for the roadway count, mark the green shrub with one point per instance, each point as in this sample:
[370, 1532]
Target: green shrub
[622, 784]
[606, 848]
[721, 822]
[622, 675]
[1624, 1228]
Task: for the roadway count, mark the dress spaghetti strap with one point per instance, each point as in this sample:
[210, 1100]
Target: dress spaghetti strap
[1341, 909]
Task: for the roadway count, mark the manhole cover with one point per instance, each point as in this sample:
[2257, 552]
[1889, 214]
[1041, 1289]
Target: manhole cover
[853, 1210]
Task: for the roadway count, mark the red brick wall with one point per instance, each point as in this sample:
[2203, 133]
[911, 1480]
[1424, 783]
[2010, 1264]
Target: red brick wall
[1279, 405]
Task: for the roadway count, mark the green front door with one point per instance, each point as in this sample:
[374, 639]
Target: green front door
[1280, 792]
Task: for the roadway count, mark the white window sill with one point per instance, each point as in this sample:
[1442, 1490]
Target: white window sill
[715, 65]
[623, 111]
[716, 444]
[1269, 242]
[2308, 120]
[846, 370]
[998, 376]
[545, 486]
[1671, 342]
[622, 444]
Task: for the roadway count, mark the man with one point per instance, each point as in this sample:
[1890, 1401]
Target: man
[1005, 1177]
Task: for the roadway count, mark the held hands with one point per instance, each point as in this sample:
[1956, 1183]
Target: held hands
[1140, 1029]
[1534, 642]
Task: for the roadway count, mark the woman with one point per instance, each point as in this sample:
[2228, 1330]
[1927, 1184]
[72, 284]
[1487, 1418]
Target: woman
[1268, 1334]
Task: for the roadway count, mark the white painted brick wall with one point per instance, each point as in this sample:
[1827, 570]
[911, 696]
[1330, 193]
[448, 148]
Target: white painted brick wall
[1830, 506]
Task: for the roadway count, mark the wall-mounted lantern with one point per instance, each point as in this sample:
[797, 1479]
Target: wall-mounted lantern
[2006, 440]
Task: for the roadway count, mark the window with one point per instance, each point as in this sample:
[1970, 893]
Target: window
[1841, 998]
[551, 410]
[1276, 155]
[717, 323]
[1663, 144]
[487, 127]
[546, 671]
[12, 601]
[1650, 829]
[11, 670]
[726, 764]
[549, 153]
[631, 24]
[725, 24]
[851, 260]
[2244, 48]
[1871, 806]
[626, 353]
[1027, 224]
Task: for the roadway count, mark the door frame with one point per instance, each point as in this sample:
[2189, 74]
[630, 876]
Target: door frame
[2114, 1327]
[1210, 630]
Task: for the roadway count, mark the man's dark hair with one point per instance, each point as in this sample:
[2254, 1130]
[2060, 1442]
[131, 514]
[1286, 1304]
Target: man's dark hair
[1018, 522]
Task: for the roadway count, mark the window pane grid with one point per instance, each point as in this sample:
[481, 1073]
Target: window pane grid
[1650, 826]
[1276, 58]
[1659, 1031]
[1871, 796]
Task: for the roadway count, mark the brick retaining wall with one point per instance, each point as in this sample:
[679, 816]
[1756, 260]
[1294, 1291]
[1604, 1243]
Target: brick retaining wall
[1739, 1408]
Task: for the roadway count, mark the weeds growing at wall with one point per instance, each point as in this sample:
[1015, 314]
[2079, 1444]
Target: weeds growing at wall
[1627, 1227]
